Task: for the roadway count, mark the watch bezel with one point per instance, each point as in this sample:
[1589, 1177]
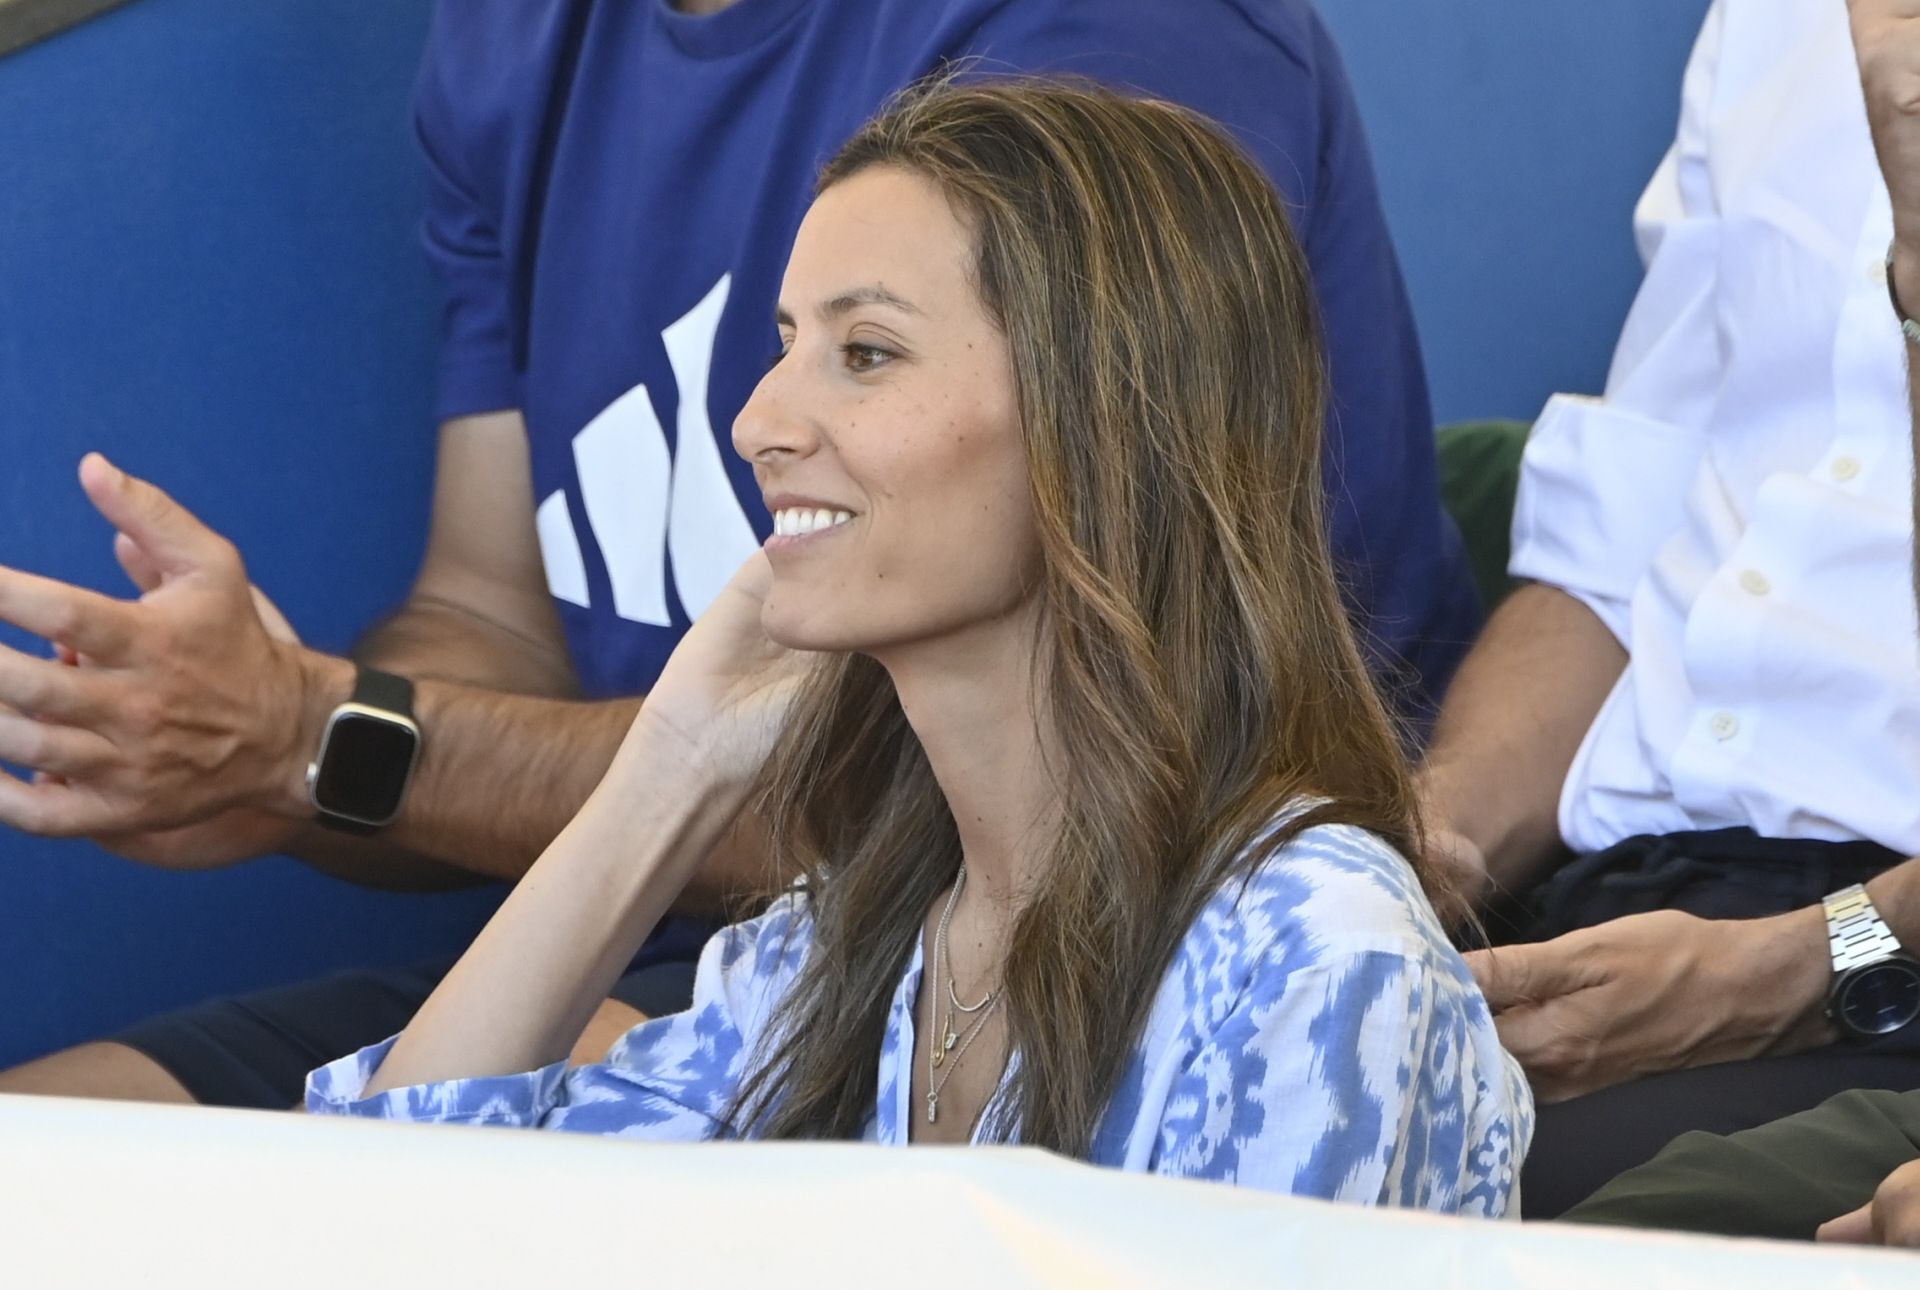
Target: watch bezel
[1847, 980]
[352, 711]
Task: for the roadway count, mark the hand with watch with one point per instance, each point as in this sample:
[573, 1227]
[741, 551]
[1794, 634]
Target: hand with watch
[1876, 983]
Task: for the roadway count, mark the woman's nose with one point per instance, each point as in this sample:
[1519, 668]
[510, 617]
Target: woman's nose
[772, 425]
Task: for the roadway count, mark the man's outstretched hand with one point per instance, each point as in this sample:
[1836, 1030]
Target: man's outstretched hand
[1657, 992]
[194, 701]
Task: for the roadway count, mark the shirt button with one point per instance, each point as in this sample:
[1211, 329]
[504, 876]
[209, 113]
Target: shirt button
[1724, 726]
[1844, 468]
[1755, 583]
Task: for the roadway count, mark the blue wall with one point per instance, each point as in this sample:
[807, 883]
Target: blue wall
[207, 269]
[1511, 139]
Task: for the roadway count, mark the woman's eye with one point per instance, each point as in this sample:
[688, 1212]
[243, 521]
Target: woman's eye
[864, 358]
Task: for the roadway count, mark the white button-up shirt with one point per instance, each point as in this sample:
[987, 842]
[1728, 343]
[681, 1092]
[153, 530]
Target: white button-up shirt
[1736, 509]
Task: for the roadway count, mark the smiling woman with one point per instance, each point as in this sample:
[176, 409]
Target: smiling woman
[1045, 682]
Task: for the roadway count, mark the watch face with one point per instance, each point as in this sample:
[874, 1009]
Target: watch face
[1879, 998]
[364, 768]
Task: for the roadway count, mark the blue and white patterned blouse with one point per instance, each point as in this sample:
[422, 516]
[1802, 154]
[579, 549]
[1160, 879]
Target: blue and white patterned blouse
[1315, 1034]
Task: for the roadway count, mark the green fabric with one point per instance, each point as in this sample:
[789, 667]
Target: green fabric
[1781, 1180]
[1479, 474]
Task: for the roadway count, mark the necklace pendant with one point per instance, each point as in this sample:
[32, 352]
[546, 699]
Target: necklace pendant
[939, 1057]
[947, 1044]
[933, 1107]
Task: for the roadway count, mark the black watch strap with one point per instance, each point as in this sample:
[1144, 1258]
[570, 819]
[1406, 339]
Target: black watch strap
[383, 690]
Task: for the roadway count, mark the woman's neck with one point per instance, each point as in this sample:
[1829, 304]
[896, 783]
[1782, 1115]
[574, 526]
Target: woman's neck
[971, 702]
[698, 7]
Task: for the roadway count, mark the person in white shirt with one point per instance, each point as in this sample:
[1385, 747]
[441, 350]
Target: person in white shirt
[1708, 687]
[1848, 1170]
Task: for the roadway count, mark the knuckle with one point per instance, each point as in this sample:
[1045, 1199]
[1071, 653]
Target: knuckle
[1555, 1057]
[33, 690]
[32, 744]
[64, 621]
[1898, 1225]
[143, 715]
[1901, 1190]
[225, 557]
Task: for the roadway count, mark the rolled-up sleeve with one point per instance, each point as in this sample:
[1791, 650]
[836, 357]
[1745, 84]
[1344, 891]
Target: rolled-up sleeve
[670, 1079]
[1604, 481]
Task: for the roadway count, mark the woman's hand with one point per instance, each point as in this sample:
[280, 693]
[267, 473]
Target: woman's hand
[725, 694]
[525, 991]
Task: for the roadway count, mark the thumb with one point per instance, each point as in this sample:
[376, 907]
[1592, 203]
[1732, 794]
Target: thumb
[173, 540]
[139, 566]
[1854, 1228]
[273, 620]
[1514, 975]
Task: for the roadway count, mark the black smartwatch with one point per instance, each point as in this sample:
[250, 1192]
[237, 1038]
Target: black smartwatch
[372, 743]
[1876, 983]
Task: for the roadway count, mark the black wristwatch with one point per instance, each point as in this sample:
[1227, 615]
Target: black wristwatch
[1876, 983]
[359, 778]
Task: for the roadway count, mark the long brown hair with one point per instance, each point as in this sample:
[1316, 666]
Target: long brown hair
[1194, 657]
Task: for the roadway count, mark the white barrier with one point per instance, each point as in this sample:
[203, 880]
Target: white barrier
[108, 1195]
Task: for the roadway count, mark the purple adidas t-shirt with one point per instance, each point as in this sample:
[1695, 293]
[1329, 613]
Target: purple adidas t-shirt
[614, 189]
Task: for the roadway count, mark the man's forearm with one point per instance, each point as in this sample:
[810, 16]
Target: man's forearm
[505, 764]
[499, 776]
[1511, 723]
[432, 638]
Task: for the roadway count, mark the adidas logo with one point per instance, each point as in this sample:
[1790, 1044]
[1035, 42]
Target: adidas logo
[654, 513]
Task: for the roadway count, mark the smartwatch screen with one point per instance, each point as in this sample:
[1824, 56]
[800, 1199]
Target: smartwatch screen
[1881, 998]
[364, 774]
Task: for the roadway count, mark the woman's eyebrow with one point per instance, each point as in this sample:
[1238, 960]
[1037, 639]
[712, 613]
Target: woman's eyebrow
[850, 300]
[873, 295]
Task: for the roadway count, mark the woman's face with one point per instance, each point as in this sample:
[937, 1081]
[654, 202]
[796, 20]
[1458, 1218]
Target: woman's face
[886, 438]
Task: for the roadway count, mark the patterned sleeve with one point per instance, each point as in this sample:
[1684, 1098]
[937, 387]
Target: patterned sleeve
[1335, 1044]
[1357, 1080]
[669, 1079]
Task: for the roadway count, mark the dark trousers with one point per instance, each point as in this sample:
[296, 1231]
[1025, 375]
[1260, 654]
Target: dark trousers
[1781, 1180]
[1581, 1144]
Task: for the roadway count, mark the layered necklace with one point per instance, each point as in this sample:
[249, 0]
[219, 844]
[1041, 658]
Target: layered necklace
[955, 1035]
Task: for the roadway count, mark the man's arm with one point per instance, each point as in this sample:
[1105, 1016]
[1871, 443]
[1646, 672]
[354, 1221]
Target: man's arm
[509, 755]
[1507, 733]
[185, 738]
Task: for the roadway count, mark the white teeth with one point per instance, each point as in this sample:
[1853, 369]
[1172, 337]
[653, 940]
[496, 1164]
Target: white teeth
[804, 520]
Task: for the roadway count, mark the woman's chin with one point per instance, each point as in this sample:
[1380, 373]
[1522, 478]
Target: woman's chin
[808, 629]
